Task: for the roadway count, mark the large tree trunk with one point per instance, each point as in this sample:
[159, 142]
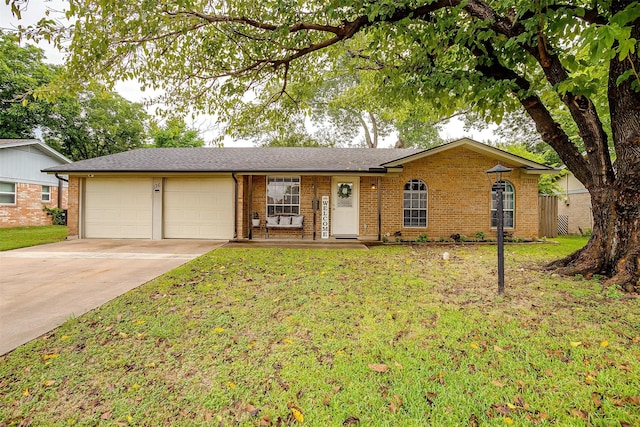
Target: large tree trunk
[614, 247]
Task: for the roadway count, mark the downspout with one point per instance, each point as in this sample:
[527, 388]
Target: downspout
[60, 188]
[235, 206]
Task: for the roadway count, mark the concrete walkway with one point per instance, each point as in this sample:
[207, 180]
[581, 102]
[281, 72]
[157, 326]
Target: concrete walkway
[43, 286]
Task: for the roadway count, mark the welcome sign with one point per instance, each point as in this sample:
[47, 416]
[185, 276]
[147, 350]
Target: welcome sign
[325, 217]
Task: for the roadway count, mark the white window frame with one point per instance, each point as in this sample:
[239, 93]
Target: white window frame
[45, 196]
[508, 205]
[415, 204]
[286, 199]
[13, 193]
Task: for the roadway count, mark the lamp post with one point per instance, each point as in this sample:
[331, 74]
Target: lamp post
[496, 173]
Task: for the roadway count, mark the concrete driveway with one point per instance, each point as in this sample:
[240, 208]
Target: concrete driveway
[43, 286]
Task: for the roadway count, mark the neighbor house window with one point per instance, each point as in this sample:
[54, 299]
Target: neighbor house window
[46, 193]
[415, 203]
[283, 195]
[508, 204]
[8, 193]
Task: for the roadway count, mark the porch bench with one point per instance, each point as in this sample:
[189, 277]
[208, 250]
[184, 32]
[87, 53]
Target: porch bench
[285, 221]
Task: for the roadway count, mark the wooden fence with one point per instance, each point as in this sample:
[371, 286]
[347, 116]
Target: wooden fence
[547, 216]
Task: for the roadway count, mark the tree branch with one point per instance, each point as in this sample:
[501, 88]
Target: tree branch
[581, 108]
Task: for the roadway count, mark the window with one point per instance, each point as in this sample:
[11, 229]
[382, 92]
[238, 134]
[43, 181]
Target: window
[8, 193]
[283, 195]
[508, 204]
[415, 203]
[46, 193]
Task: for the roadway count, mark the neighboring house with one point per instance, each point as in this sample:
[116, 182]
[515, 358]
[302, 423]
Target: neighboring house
[353, 193]
[574, 206]
[24, 188]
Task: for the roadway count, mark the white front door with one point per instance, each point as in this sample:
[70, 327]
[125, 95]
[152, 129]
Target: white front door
[345, 206]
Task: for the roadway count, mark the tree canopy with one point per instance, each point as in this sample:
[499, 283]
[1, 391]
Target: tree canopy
[22, 70]
[94, 123]
[492, 57]
[80, 124]
[175, 133]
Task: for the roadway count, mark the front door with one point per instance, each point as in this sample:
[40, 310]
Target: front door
[345, 202]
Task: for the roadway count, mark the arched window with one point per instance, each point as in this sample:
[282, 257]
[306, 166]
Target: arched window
[508, 204]
[415, 203]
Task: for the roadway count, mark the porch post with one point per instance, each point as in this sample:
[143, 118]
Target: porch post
[247, 220]
[379, 209]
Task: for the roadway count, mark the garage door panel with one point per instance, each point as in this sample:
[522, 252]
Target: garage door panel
[200, 208]
[118, 208]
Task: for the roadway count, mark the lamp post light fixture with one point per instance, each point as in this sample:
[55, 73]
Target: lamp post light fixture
[495, 175]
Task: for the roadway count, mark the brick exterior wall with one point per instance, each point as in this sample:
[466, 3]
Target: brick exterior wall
[577, 207]
[459, 199]
[73, 214]
[28, 210]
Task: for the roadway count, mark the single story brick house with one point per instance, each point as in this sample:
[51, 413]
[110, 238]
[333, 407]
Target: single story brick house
[24, 189]
[316, 193]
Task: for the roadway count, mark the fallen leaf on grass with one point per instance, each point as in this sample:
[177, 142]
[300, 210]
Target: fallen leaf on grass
[596, 400]
[48, 383]
[497, 383]
[473, 421]
[265, 421]
[252, 410]
[378, 367]
[50, 356]
[297, 414]
[634, 400]
[501, 409]
[351, 421]
[395, 404]
[508, 420]
[583, 415]
[575, 343]
[604, 344]
[106, 415]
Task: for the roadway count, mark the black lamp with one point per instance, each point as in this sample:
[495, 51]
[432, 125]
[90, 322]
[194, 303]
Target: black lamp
[495, 175]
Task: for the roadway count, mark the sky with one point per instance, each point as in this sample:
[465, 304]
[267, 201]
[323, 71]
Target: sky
[130, 90]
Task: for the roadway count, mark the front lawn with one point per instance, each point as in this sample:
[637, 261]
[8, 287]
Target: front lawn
[21, 237]
[393, 336]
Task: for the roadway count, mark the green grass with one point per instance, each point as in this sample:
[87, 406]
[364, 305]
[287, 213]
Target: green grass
[21, 237]
[394, 336]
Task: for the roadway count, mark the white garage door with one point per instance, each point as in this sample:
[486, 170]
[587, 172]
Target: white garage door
[118, 208]
[198, 208]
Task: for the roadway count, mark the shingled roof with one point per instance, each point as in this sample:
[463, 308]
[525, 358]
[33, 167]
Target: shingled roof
[239, 160]
[275, 159]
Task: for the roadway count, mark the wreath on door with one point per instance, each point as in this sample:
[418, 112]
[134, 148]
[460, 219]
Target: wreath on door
[344, 190]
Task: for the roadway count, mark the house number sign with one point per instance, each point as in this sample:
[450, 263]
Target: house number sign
[325, 217]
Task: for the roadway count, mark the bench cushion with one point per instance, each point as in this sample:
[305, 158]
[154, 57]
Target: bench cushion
[272, 220]
[285, 220]
[296, 221]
